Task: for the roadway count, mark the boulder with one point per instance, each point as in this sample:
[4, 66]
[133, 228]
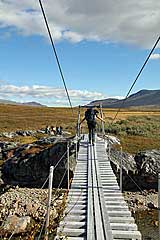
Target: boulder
[148, 167]
[8, 134]
[128, 161]
[129, 168]
[14, 224]
[140, 171]
[29, 164]
[21, 209]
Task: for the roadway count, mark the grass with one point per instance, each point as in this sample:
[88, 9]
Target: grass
[138, 129]
[24, 117]
[137, 132]
[134, 144]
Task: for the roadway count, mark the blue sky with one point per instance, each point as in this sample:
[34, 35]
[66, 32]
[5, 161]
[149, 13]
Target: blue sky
[100, 53]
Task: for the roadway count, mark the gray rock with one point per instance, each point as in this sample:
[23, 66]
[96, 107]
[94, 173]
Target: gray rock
[148, 166]
[139, 170]
[29, 164]
[14, 224]
[151, 205]
[129, 168]
[9, 135]
[128, 161]
[148, 162]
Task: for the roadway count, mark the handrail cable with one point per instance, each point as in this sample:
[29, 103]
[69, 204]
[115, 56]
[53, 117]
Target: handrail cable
[138, 187]
[60, 159]
[78, 121]
[55, 53]
[56, 189]
[122, 104]
[42, 227]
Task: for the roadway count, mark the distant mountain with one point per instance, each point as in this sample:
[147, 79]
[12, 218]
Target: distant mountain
[3, 101]
[106, 101]
[33, 104]
[144, 98]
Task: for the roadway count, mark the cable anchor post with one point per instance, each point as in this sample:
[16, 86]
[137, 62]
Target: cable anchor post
[101, 113]
[109, 150]
[121, 171]
[68, 178]
[76, 147]
[159, 201]
[78, 121]
[49, 202]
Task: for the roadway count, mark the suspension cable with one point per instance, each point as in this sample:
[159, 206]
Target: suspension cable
[55, 53]
[138, 75]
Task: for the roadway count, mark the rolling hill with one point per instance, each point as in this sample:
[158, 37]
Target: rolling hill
[33, 104]
[144, 98]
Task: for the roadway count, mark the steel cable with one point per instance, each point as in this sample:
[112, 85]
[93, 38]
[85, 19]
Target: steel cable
[138, 75]
[55, 191]
[55, 53]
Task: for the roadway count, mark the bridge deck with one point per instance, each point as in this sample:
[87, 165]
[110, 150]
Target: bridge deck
[96, 208]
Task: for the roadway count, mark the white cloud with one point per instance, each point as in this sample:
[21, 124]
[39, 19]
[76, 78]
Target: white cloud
[48, 95]
[134, 22]
[72, 36]
[155, 56]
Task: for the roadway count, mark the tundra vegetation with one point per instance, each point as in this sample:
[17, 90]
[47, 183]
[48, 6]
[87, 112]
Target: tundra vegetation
[137, 128]
[137, 132]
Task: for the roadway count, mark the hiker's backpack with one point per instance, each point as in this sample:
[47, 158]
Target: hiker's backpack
[90, 116]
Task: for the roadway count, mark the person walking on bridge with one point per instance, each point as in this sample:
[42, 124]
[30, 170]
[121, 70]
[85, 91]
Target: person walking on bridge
[90, 116]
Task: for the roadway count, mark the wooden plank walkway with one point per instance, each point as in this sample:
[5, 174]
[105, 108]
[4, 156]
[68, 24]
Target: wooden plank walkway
[96, 209]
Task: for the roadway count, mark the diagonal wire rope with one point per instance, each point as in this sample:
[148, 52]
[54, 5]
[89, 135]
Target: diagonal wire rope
[55, 53]
[139, 187]
[138, 75]
[60, 159]
[40, 234]
[45, 182]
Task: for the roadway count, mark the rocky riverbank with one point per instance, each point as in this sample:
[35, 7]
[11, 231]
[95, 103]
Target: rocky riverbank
[23, 211]
[28, 165]
[140, 175]
[139, 201]
[140, 183]
[144, 208]
[140, 171]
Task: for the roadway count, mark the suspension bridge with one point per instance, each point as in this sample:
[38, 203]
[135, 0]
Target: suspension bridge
[95, 207]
